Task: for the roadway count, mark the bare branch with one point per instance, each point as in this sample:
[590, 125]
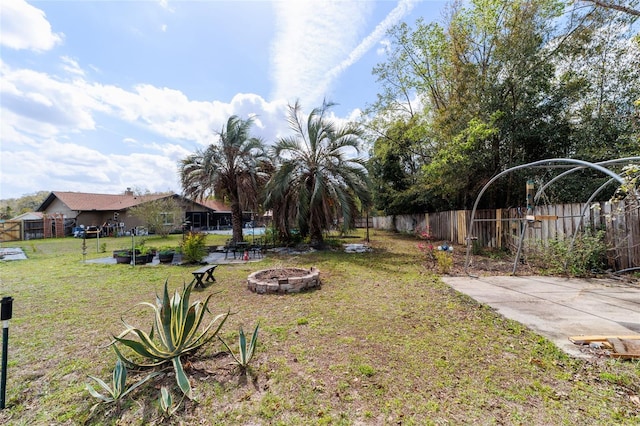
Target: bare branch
[618, 7]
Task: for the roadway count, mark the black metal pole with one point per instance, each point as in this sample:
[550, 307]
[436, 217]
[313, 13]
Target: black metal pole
[5, 352]
[6, 311]
[367, 218]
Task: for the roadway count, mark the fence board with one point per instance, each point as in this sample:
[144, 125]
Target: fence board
[10, 230]
[501, 228]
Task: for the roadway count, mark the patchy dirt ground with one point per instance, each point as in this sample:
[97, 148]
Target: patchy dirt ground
[486, 264]
[498, 262]
[380, 343]
[273, 275]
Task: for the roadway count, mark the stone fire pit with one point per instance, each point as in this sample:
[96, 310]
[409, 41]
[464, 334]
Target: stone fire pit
[283, 280]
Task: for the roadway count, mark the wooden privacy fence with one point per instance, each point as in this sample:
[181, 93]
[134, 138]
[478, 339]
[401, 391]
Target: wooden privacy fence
[502, 228]
[10, 230]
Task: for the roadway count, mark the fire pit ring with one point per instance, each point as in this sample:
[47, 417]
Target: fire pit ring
[283, 280]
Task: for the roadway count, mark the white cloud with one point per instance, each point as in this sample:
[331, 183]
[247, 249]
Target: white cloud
[318, 40]
[384, 47]
[165, 5]
[34, 102]
[399, 12]
[73, 167]
[71, 66]
[23, 26]
[46, 121]
[313, 36]
[37, 103]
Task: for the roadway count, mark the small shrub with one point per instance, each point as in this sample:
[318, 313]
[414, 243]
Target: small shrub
[193, 247]
[424, 233]
[477, 249]
[333, 243]
[429, 251]
[444, 261]
[166, 250]
[587, 256]
[270, 236]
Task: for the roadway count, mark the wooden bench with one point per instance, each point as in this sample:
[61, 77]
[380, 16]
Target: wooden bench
[205, 272]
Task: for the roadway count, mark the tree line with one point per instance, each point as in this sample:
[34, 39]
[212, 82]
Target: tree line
[497, 84]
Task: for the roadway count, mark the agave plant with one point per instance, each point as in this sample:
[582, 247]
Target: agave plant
[118, 388]
[245, 352]
[174, 333]
[166, 402]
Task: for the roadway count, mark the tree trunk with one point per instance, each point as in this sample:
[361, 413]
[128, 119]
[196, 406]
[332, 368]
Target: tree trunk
[315, 236]
[236, 221]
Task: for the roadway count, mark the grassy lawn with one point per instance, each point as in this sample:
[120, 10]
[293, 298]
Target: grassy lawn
[384, 341]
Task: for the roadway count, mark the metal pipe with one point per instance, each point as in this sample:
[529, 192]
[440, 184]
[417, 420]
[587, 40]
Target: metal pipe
[522, 166]
[581, 221]
[5, 353]
[6, 311]
[567, 172]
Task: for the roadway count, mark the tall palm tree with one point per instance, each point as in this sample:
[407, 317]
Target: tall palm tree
[235, 169]
[317, 181]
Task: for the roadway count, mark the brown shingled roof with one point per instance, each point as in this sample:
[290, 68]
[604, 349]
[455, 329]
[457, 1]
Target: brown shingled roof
[216, 205]
[103, 202]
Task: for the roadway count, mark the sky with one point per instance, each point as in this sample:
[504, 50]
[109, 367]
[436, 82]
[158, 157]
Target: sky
[100, 96]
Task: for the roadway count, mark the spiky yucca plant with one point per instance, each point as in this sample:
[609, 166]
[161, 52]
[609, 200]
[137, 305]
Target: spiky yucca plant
[245, 352]
[118, 388]
[175, 332]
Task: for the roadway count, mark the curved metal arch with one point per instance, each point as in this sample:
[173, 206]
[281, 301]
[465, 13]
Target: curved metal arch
[523, 166]
[575, 169]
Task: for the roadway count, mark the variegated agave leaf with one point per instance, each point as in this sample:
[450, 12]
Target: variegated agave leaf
[175, 332]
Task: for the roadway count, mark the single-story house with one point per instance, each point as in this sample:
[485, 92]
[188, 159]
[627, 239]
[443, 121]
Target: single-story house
[113, 210]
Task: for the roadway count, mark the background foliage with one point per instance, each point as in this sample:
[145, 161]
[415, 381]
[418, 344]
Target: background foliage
[497, 84]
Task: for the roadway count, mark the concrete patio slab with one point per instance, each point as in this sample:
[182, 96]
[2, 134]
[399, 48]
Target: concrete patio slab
[558, 308]
[211, 258]
[12, 253]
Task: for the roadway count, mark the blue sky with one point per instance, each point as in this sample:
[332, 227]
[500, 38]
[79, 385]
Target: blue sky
[98, 96]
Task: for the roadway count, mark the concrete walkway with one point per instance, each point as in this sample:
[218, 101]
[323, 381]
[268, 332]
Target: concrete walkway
[558, 308]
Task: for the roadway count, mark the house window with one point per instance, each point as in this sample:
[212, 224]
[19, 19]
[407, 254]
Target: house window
[167, 218]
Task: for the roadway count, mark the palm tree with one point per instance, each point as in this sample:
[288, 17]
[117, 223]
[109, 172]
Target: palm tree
[235, 169]
[316, 181]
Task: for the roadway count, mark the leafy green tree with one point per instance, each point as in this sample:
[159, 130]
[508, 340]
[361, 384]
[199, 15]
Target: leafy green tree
[501, 83]
[161, 215]
[319, 178]
[480, 79]
[605, 60]
[12, 207]
[235, 169]
[395, 162]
